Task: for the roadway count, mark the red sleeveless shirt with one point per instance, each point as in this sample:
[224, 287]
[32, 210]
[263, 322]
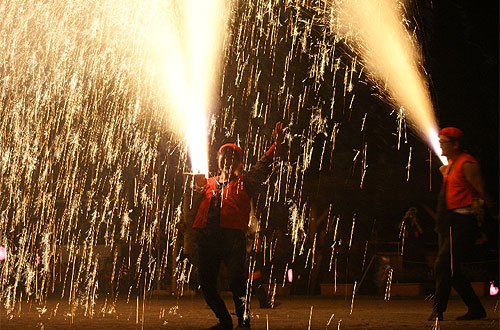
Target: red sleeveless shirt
[235, 205]
[459, 192]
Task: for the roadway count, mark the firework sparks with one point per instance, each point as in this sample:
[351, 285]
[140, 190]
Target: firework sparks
[352, 299]
[330, 320]
[388, 285]
[435, 325]
[352, 230]
[408, 166]
[310, 318]
[390, 53]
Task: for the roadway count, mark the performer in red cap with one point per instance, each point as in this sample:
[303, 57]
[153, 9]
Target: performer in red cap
[457, 206]
[221, 222]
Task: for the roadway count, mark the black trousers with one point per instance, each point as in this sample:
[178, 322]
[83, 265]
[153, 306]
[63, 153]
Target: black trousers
[448, 265]
[256, 263]
[218, 245]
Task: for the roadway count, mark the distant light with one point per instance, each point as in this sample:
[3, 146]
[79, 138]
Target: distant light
[3, 253]
[493, 289]
[290, 275]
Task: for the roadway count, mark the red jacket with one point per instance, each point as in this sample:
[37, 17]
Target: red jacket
[459, 192]
[235, 200]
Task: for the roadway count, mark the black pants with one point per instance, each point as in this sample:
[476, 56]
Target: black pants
[448, 270]
[228, 246]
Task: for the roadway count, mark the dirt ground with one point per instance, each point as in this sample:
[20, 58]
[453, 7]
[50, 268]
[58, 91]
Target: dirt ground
[293, 312]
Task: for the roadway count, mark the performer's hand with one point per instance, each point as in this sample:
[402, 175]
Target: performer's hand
[443, 169]
[278, 133]
[200, 181]
[181, 226]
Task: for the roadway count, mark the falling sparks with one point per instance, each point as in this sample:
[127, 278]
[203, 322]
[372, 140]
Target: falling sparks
[435, 324]
[86, 127]
[330, 320]
[402, 234]
[408, 166]
[296, 224]
[310, 318]
[388, 285]
[364, 257]
[352, 230]
[364, 165]
[352, 299]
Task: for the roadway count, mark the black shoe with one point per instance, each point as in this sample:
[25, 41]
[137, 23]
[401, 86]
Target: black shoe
[221, 326]
[473, 315]
[435, 315]
[267, 304]
[243, 324]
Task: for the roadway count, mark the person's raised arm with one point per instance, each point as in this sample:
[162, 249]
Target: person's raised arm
[259, 172]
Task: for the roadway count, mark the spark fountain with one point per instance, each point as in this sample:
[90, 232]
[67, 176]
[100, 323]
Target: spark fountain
[89, 152]
[374, 28]
[193, 59]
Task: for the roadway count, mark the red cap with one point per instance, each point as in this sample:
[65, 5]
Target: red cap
[452, 132]
[232, 146]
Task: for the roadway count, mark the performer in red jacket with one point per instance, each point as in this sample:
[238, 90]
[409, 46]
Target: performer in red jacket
[221, 222]
[461, 189]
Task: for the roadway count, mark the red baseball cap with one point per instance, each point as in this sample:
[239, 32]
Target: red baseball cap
[232, 146]
[452, 132]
